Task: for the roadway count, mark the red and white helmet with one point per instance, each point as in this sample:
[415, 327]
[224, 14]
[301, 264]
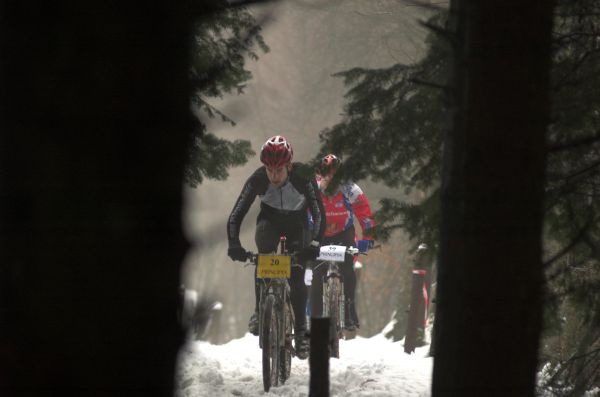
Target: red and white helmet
[330, 164]
[276, 152]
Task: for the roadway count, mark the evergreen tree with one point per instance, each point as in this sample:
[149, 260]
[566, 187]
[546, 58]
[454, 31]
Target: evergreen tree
[222, 41]
[392, 132]
[572, 338]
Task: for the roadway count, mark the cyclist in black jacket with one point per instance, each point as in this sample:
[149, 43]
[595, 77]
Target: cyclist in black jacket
[285, 192]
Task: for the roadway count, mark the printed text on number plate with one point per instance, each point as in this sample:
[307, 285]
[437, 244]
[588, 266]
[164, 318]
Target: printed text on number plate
[334, 253]
[274, 266]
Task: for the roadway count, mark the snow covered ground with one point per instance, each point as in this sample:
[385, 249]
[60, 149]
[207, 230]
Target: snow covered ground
[374, 367]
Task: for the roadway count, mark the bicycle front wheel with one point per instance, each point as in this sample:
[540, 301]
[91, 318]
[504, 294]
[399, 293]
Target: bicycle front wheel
[285, 352]
[270, 345]
[332, 291]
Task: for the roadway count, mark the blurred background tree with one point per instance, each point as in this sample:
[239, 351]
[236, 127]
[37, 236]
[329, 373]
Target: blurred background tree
[392, 131]
[223, 42]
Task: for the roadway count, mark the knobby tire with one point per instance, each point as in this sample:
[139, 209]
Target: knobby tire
[285, 352]
[270, 345]
[332, 302]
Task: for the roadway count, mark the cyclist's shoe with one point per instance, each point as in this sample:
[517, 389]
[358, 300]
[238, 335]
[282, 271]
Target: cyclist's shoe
[349, 327]
[349, 334]
[301, 345]
[253, 324]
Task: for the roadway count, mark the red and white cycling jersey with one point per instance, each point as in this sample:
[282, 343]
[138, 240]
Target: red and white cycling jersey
[341, 208]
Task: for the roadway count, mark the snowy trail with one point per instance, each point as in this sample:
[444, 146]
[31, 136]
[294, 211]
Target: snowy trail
[368, 367]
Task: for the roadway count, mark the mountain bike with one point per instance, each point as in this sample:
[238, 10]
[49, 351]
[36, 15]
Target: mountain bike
[276, 316]
[333, 291]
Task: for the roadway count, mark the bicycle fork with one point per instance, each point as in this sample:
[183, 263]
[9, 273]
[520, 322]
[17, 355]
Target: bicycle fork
[269, 290]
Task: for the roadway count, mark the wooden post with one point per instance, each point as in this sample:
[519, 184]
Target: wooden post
[416, 315]
[319, 357]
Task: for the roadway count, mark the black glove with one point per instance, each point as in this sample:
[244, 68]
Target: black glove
[365, 245]
[237, 254]
[309, 253]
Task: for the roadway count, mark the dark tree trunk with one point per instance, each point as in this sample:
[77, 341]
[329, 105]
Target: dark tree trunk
[95, 117]
[490, 275]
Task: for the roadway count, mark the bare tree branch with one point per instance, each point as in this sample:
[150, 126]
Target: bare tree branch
[563, 81]
[575, 143]
[578, 239]
[437, 6]
[584, 170]
[208, 7]
[444, 33]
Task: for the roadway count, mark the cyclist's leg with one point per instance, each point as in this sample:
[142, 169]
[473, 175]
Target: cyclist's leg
[349, 276]
[297, 237]
[296, 234]
[298, 296]
[316, 291]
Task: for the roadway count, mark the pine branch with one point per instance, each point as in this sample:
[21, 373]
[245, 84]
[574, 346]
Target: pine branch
[218, 69]
[429, 84]
[213, 109]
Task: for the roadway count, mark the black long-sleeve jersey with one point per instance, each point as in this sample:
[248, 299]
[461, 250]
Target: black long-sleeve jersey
[277, 203]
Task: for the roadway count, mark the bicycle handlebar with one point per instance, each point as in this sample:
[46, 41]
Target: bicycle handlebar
[334, 254]
[350, 249]
[252, 257]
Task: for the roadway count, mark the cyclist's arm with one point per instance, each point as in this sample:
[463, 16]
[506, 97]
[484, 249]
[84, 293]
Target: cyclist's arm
[239, 211]
[362, 209]
[313, 196]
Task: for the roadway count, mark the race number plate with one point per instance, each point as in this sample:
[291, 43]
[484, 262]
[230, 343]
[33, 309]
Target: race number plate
[274, 266]
[334, 253]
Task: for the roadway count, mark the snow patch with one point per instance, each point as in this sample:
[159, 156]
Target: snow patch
[368, 367]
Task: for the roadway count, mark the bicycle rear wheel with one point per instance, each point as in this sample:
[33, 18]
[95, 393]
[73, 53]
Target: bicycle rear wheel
[285, 352]
[270, 345]
[331, 309]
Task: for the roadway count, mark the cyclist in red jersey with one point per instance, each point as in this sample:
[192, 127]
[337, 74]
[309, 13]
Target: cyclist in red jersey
[341, 206]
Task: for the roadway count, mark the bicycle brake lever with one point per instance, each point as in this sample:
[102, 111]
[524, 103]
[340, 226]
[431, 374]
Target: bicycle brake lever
[353, 251]
[251, 259]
